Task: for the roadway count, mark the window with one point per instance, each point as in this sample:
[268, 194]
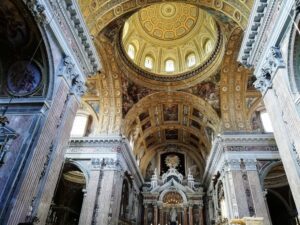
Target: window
[79, 126]
[170, 65]
[131, 51]
[191, 60]
[149, 62]
[208, 46]
[266, 121]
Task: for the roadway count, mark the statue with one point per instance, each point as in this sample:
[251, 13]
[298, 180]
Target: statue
[173, 215]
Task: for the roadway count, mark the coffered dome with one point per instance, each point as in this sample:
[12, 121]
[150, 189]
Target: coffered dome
[171, 43]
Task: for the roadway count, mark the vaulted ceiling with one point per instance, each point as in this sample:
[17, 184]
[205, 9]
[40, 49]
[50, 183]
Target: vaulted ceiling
[186, 108]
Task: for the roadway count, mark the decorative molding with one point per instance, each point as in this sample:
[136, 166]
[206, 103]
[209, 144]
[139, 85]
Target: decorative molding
[83, 33]
[158, 82]
[273, 62]
[66, 19]
[232, 164]
[250, 148]
[110, 163]
[37, 9]
[251, 35]
[96, 140]
[250, 164]
[69, 71]
[233, 146]
[266, 28]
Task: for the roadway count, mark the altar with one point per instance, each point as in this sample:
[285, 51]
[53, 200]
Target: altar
[173, 200]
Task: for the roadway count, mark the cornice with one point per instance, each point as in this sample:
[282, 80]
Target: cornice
[178, 81]
[253, 31]
[266, 28]
[82, 34]
[239, 143]
[107, 139]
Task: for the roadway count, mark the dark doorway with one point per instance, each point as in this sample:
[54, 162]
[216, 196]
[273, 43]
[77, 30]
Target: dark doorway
[280, 201]
[66, 205]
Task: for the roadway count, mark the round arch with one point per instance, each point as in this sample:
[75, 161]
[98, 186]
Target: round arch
[99, 15]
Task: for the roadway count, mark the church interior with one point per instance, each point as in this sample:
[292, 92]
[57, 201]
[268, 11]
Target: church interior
[150, 112]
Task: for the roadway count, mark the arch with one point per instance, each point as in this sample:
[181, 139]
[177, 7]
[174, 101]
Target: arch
[81, 167]
[99, 15]
[266, 170]
[25, 46]
[68, 197]
[163, 193]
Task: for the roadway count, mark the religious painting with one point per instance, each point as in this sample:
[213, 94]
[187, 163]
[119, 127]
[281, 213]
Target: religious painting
[170, 112]
[92, 88]
[172, 160]
[131, 94]
[23, 78]
[171, 134]
[13, 27]
[209, 91]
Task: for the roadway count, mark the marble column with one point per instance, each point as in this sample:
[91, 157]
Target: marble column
[190, 215]
[145, 214]
[201, 219]
[233, 184]
[161, 216]
[155, 215]
[179, 216]
[185, 216]
[257, 194]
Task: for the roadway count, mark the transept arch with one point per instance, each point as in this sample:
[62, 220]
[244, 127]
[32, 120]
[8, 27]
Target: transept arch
[99, 14]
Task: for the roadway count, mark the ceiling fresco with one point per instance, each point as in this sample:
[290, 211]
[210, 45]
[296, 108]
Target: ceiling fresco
[185, 108]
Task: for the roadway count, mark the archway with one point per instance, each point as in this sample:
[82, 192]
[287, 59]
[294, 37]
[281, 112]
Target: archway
[282, 209]
[67, 201]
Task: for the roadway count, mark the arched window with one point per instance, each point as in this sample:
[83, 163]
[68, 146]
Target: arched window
[170, 65]
[149, 62]
[131, 51]
[191, 60]
[265, 119]
[208, 46]
[79, 126]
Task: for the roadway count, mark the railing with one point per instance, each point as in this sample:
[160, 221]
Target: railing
[61, 215]
[123, 221]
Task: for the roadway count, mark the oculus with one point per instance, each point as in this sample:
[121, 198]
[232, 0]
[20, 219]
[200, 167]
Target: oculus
[23, 78]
